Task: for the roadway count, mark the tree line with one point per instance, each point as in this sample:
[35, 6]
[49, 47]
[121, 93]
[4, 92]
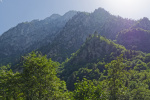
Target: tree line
[38, 80]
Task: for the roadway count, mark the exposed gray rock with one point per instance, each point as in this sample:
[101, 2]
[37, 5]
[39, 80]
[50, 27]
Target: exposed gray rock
[28, 36]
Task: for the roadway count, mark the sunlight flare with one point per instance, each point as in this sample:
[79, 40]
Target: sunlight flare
[127, 8]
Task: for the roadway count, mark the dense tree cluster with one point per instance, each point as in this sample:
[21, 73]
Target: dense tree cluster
[135, 39]
[92, 68]
[39, 81]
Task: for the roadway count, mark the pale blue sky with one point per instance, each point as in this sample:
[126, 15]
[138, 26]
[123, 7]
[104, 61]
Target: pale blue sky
[13, 12]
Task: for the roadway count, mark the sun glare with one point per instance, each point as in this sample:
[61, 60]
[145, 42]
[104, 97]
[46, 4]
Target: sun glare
[124, 2]
[127, 8]
[125, 5]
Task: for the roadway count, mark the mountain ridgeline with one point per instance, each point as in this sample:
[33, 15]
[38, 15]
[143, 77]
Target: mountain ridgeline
[80, 27]
[135, 39]
[29, 36]
[88, 56]
[90, 59]
[60, 36]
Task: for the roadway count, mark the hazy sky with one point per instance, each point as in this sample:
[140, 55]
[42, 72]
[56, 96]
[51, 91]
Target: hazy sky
[13, 12]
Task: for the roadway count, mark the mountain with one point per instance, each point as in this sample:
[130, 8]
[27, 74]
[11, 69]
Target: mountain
[89, 61]
[28, 36]
[100, 56]
[143, 23]
[135, 39]
[60, 36]
[77, 29]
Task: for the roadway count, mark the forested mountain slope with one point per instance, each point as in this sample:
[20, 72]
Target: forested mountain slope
[89, 61]
[60, 36]
[29, 36]
[135, 39]
[111, 64]
[80, 27]
[143, 23]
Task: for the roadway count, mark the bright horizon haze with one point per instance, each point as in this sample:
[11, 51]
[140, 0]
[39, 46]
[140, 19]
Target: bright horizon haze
[13, 12]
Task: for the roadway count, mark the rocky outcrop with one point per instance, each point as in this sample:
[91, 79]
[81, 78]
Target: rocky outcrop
[74, 33]
[95, 49]
[28, 36]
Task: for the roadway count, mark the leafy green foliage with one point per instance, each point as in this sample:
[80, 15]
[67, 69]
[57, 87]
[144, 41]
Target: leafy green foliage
[9, 84]
[87, 90]
[96, 60]
[116, 77]
[38, 81]
[39, 77]
[90, 59]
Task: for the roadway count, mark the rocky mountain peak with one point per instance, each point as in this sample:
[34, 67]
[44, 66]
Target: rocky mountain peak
[28, 36]
[101, 11]
[95, 47]
[145, 19]
[135, 39]
[69, 14]
[143, 23]
[55, 16]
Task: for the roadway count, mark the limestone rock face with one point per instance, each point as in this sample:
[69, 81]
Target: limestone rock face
[96, 49]
[77, 29]
[28, 36]
[59, 36]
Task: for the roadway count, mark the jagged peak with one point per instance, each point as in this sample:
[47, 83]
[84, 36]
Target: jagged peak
[97, 46]
[69, 14]
[144, 19]
[143, 23]
[101, 11]
[53, 17]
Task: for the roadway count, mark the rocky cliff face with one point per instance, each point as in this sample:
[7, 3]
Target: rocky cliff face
[60, 36]
[95, 49]
[77, 29]
[29, 36]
